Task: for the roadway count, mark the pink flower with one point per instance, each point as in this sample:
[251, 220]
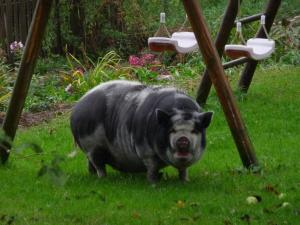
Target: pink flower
[145, 59]
[13, 46]
[16, 46]
[148, 57]
[21, 45]
[134, 61]
[79, 70]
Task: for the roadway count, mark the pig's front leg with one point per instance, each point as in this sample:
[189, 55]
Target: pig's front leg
[183, 174]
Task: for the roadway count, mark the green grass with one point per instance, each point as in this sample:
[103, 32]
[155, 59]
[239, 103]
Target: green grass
[218, 188]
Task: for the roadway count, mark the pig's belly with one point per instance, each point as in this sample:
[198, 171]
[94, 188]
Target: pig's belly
[125, 159]
[127, 163]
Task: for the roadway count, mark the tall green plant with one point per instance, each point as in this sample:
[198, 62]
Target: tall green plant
[6, 80]
[82, 77]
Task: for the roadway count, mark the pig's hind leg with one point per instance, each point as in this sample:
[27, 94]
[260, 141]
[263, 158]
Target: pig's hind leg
[153, 165]
[97, 159]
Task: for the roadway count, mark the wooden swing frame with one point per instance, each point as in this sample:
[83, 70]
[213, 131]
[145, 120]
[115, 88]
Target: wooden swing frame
[210, 56]
[222, 38]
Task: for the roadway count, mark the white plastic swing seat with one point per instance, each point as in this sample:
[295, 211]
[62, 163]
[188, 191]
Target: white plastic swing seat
[255, 48]
[182, 42]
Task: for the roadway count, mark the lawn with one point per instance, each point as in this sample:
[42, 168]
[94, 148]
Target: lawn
[218, 189]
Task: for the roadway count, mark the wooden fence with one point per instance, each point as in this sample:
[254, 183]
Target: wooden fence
[15, 19]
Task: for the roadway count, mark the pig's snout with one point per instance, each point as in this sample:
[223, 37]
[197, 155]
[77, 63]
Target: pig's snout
[183, 143]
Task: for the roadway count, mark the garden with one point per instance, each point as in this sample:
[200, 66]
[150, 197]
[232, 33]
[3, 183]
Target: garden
[46, 180]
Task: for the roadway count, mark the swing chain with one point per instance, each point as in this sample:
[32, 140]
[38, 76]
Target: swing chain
[184, 25]
[239, 34]
[162, 30]
[263, 25]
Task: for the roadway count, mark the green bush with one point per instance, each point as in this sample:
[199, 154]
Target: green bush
[82, 78]
[6, 82]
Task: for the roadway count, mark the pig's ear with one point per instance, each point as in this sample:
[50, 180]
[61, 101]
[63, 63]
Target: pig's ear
[205, 119]
[162, 116]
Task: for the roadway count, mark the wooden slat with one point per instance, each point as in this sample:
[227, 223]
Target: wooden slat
[2, 25]
[9, 23]
[16, 21]
[23, 23]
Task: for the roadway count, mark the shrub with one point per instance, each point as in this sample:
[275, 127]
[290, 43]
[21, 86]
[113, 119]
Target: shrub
[286, 33]
[84, 77]
[6, 82]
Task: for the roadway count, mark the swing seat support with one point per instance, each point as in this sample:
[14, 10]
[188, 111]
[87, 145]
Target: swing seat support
[255, 48]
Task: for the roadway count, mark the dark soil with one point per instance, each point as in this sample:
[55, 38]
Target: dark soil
[29, 119]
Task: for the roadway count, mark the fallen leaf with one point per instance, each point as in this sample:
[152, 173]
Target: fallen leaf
[194, 204]
[120, 206]
[246, 218]
[180, 204]
[136, 215]
[268, 211]
[271, 189]
[185, 218]
[72, 154]
[285, 204]
[251, 200]
[281, 195]
[227, 222]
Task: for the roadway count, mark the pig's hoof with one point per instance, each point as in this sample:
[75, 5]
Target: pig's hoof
[91, 169]
[185, 180]
[159, 176]
[101, 174]
[155, 178]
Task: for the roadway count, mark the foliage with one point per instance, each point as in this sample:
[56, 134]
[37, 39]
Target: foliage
[287, 33]
[144, 74]
[45, 90]
[51, 169]
[84, 77]
[6, 81]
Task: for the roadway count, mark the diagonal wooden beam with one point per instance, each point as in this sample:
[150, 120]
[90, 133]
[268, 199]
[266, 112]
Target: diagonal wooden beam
[28, 61]
[217, 76]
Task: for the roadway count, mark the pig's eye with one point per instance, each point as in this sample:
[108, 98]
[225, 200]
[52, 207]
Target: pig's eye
[195, 131]
[172, 131]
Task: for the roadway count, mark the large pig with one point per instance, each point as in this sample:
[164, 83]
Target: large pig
[136, 128]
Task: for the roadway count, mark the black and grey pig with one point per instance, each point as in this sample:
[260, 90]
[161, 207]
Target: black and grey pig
[136, 128]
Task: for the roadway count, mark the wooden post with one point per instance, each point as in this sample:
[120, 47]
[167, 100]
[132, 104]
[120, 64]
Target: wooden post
[217, 76]
[32, 47]
[10, 34]
[248, 72]
[221, 40]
